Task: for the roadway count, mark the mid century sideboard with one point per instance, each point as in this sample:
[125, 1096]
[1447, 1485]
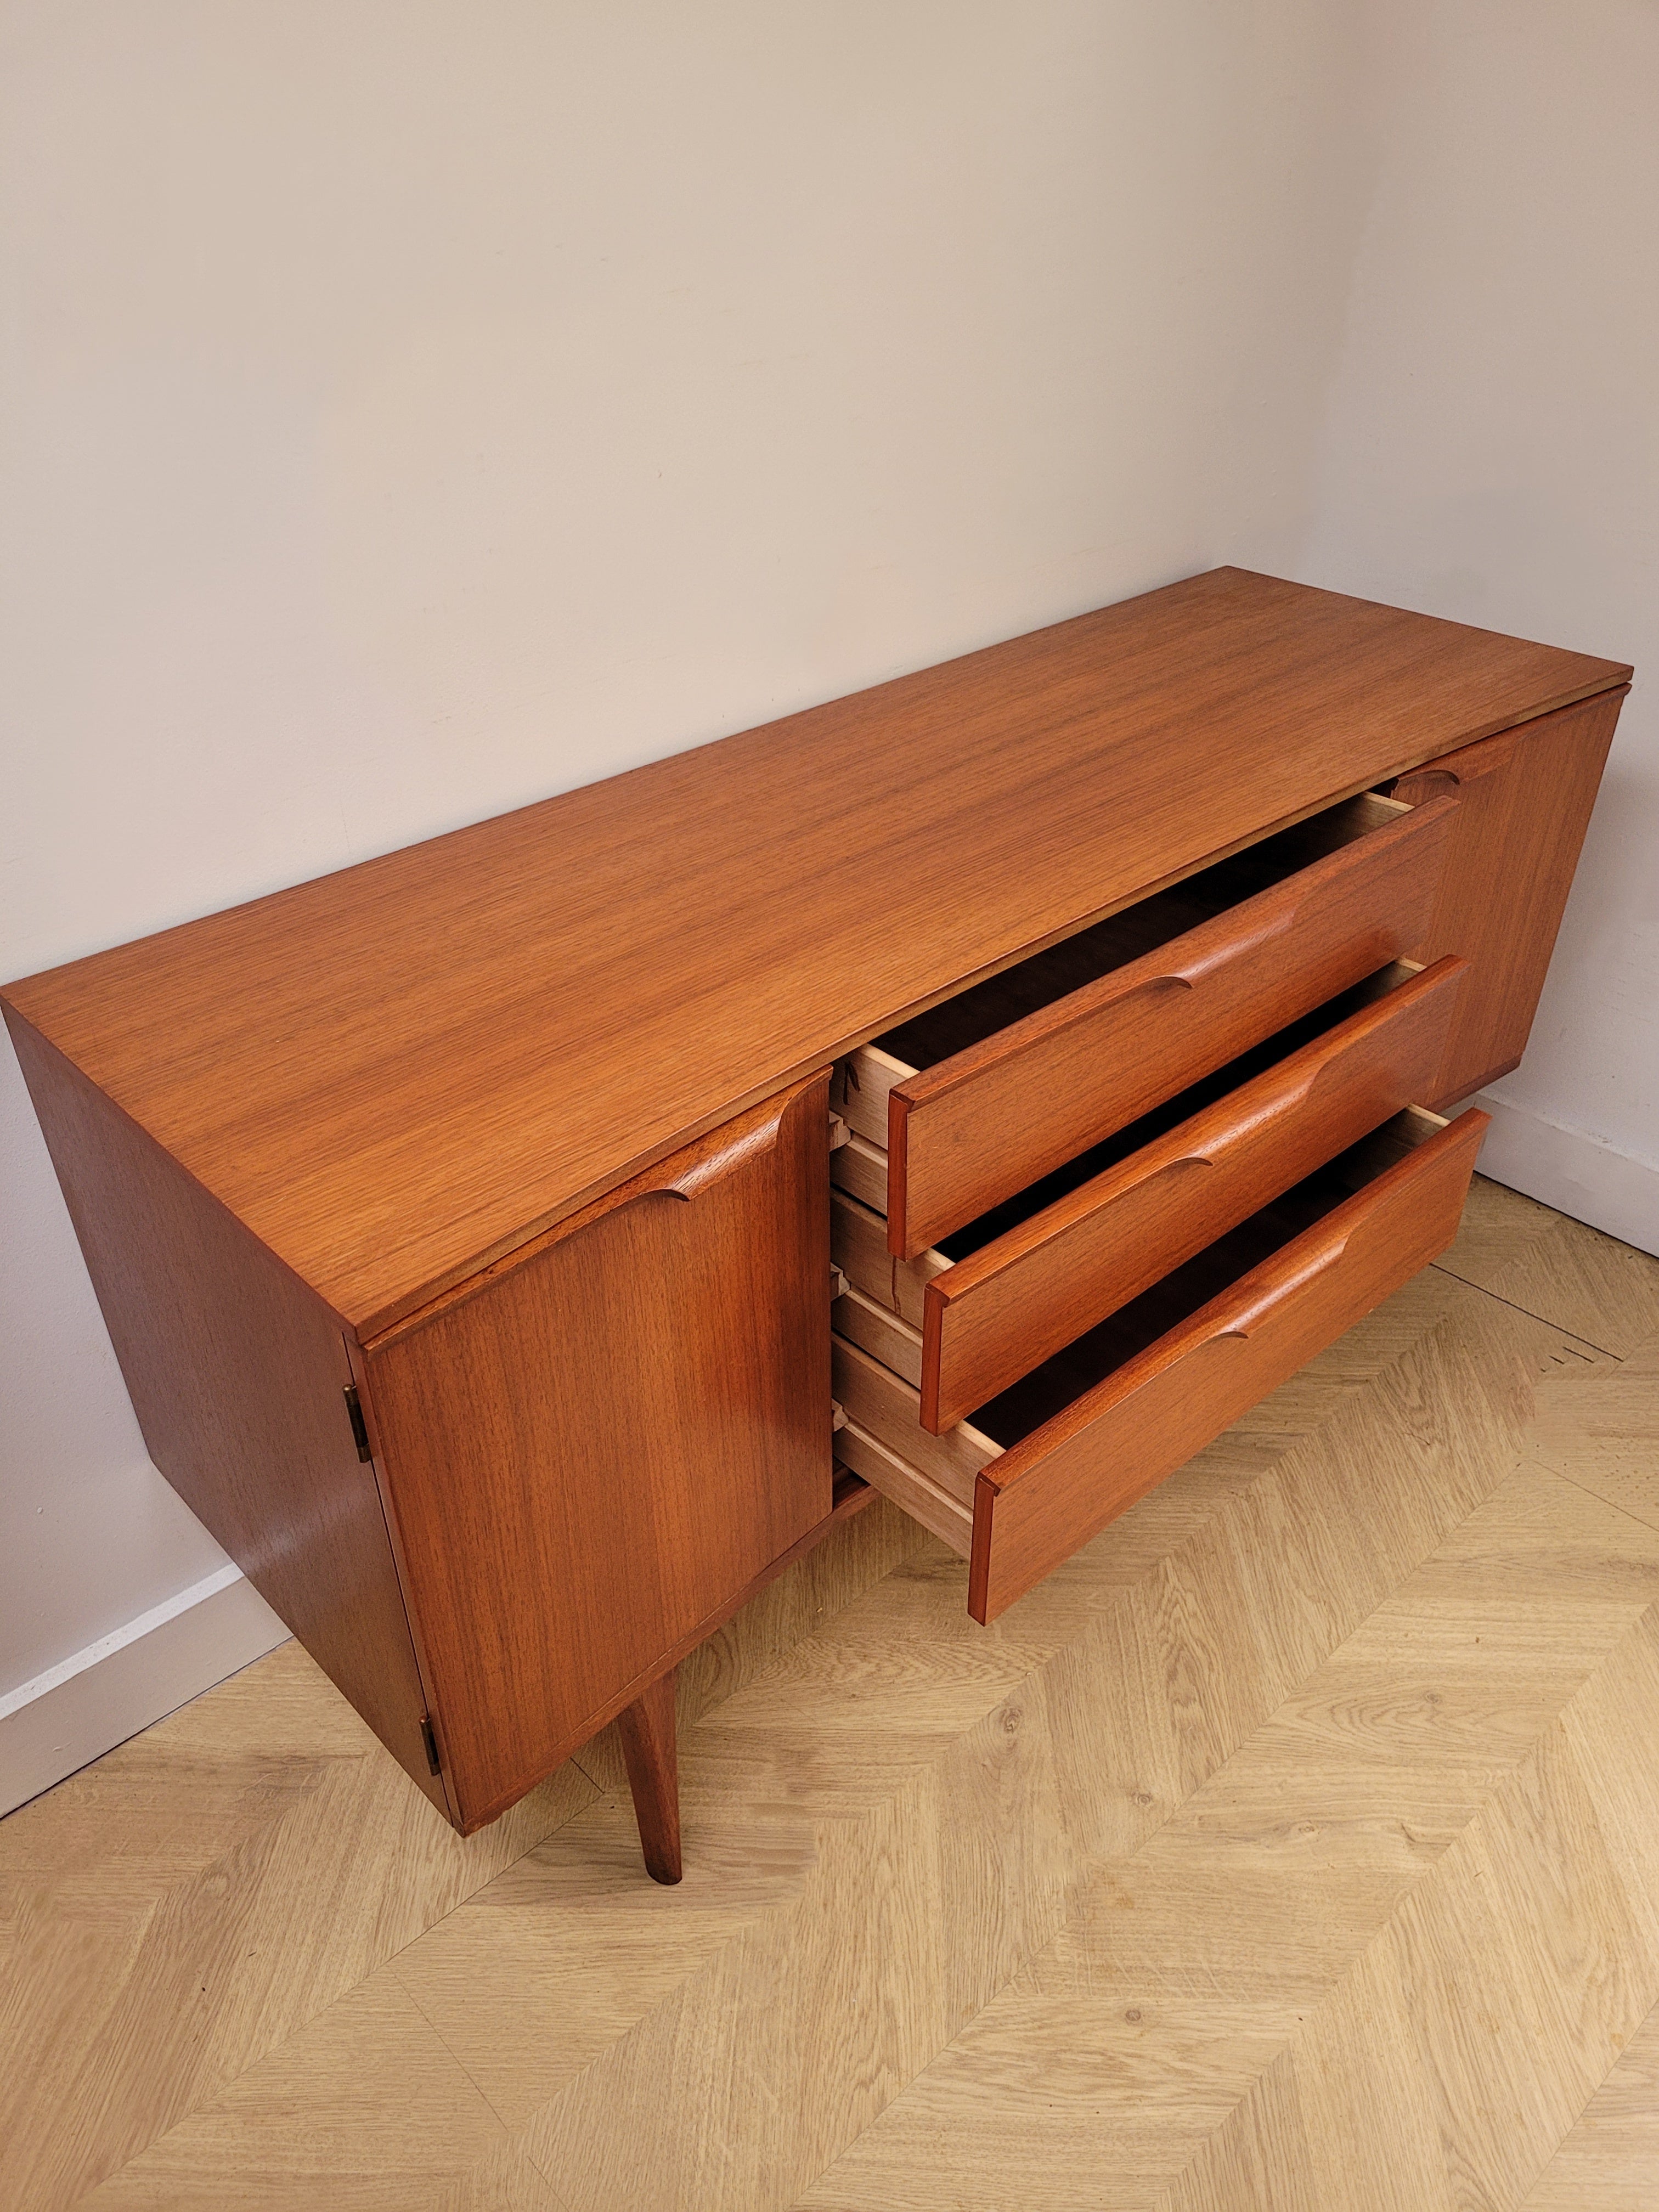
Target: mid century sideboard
[983, 1088]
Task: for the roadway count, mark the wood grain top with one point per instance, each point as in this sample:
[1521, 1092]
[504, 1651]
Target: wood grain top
[396, 1072]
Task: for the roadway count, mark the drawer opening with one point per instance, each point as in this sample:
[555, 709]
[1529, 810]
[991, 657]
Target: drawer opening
[986, 1227]
[985, 1008]
[1050, 1389]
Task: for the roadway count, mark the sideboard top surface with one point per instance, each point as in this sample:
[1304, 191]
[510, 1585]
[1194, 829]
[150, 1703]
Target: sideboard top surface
[395, 1073]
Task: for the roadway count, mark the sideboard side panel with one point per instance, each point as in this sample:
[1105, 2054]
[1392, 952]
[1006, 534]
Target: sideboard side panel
[1526, 799]
[603, 1444]
[237, 1373]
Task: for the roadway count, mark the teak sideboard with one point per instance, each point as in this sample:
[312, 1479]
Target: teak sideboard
[984, 1088]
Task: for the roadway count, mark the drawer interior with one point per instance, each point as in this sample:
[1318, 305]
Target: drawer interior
[1050, 1389]
[1172, 1113]
[983, 1009]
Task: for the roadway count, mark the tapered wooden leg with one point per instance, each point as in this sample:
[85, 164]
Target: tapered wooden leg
[648, 1739]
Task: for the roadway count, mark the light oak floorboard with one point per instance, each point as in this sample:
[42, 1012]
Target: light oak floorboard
[1610, 2161]
[929, 1795]
[1382, 1957]
[363, 2110]
[184, 1905]
[1606, 1437]
[1291, 1688]
[1601, 1290]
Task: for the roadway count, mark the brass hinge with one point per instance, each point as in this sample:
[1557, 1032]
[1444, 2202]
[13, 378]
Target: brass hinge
[359, 1428]
[428, 1737]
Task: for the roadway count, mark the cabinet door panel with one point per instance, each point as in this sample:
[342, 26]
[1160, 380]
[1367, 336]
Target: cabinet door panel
[593, 1451]
[1526, 799]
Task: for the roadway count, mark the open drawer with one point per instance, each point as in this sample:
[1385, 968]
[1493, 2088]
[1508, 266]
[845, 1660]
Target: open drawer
[1156, 1197]
[1046, 1464]
[994, 1089]
[997, 1298]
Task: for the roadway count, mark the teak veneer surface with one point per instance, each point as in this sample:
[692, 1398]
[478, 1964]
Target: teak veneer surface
[970, 1133]
[396, 1073]
[237, 1373]
[1039, 1502]
[1524, 801]
[647, 1729]
[595, 1451]
[1037, 1287]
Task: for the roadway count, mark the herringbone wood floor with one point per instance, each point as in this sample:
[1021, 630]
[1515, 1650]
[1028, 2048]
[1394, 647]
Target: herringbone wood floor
[1298, 1846]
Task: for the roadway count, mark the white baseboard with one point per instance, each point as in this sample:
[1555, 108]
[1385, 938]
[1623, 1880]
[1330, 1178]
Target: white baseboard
[85, 1706]
[1571, 1171]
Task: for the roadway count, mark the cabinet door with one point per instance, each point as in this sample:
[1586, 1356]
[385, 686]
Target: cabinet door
[1526, 797]
[592, 1450]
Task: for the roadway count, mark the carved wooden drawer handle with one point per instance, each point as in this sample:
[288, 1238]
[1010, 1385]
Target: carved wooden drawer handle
[1274, 1299]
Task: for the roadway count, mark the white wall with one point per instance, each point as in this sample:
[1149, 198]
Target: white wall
[1490, 451]
[417, 408]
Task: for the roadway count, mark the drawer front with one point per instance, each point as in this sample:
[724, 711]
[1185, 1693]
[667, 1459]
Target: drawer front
[1004, 1309]
[1049, 1493]
[970, 1132]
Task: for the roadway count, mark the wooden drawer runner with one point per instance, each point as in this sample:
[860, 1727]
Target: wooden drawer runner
[1017, 1074]
[1071, 1446]
[878, 1401]
[1011, 1305]
[948, 1515]
[860, 1168]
